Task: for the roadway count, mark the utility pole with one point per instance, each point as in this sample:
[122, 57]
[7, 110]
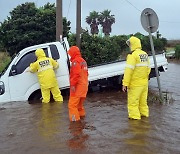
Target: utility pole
[59, 20]
[78, 24]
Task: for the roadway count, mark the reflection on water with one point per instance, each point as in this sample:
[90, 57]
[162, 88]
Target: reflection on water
[169, 81]
[78, 137]
[138, 140]
[139, 130]
[50, 120]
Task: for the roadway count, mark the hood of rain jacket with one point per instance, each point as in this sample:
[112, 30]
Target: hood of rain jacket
[135, 43]
[40, 53]
[74, 52]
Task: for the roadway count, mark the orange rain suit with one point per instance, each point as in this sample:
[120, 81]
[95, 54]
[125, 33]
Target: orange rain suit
[44, 67]
[136, 77]
[78, 84]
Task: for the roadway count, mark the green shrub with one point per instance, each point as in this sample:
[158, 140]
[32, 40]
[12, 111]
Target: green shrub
[177, 51]
[4, 60]
[98, 50]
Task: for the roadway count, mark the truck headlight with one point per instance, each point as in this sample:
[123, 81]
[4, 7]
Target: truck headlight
[2, 88]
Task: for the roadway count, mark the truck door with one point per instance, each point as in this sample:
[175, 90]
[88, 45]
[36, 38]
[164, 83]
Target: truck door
[20, 81]
[62, 73]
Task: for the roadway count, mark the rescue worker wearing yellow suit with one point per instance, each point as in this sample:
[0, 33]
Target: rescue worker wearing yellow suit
[135, 80]
[44, 66]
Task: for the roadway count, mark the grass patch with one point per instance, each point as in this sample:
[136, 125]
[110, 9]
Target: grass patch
[4, 60]
[168, 49]
[153, 97]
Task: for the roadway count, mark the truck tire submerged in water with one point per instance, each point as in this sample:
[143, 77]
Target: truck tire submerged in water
[35, 96]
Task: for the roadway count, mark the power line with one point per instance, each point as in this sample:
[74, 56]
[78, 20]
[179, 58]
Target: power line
[171, 22]
[133, 5]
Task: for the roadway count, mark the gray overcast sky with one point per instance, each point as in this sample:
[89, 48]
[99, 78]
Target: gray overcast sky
[127, 13]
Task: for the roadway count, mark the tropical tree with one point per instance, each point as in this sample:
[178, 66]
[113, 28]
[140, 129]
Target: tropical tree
[29, 25]
[106, 20]
[92, 20]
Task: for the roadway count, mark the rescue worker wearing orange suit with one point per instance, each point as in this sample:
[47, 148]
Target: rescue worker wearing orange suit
[78, 84]
[44, 66]
[135, 80]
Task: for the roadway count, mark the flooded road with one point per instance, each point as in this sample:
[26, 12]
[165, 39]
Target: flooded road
[45, 128]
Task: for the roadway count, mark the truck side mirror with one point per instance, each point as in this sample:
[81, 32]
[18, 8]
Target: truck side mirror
[13, 70]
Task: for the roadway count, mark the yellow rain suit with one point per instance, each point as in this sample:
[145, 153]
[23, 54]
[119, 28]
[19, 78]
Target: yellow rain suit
[136, 80]
[44, 67]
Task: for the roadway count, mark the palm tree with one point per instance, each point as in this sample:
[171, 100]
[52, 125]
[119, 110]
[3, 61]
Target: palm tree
[92, 20]
[106, 20]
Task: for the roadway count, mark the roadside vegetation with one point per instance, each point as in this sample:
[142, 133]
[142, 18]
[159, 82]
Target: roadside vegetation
[173, 49]
[4, 60]
[153, 97]
[29, 25]
[97, 49]
[177, 51]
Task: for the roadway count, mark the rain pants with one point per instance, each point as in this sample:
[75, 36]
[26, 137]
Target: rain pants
[136, 77]
[44, 67]
[78, 84]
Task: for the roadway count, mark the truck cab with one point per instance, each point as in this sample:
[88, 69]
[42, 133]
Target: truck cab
[18, 85]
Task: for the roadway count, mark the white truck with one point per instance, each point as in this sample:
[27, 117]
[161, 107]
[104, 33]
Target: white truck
[18, 85]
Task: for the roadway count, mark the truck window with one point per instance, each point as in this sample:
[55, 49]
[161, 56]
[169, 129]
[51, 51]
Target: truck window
[26, 60]
[54, 52]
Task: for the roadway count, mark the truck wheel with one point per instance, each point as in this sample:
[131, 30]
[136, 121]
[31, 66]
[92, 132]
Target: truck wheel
[38, 96]
[35, 96]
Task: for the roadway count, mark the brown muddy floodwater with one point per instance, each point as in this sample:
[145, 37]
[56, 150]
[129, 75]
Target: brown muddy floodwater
[45, 129]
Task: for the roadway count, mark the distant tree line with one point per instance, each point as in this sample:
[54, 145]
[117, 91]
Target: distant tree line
[29, 25]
